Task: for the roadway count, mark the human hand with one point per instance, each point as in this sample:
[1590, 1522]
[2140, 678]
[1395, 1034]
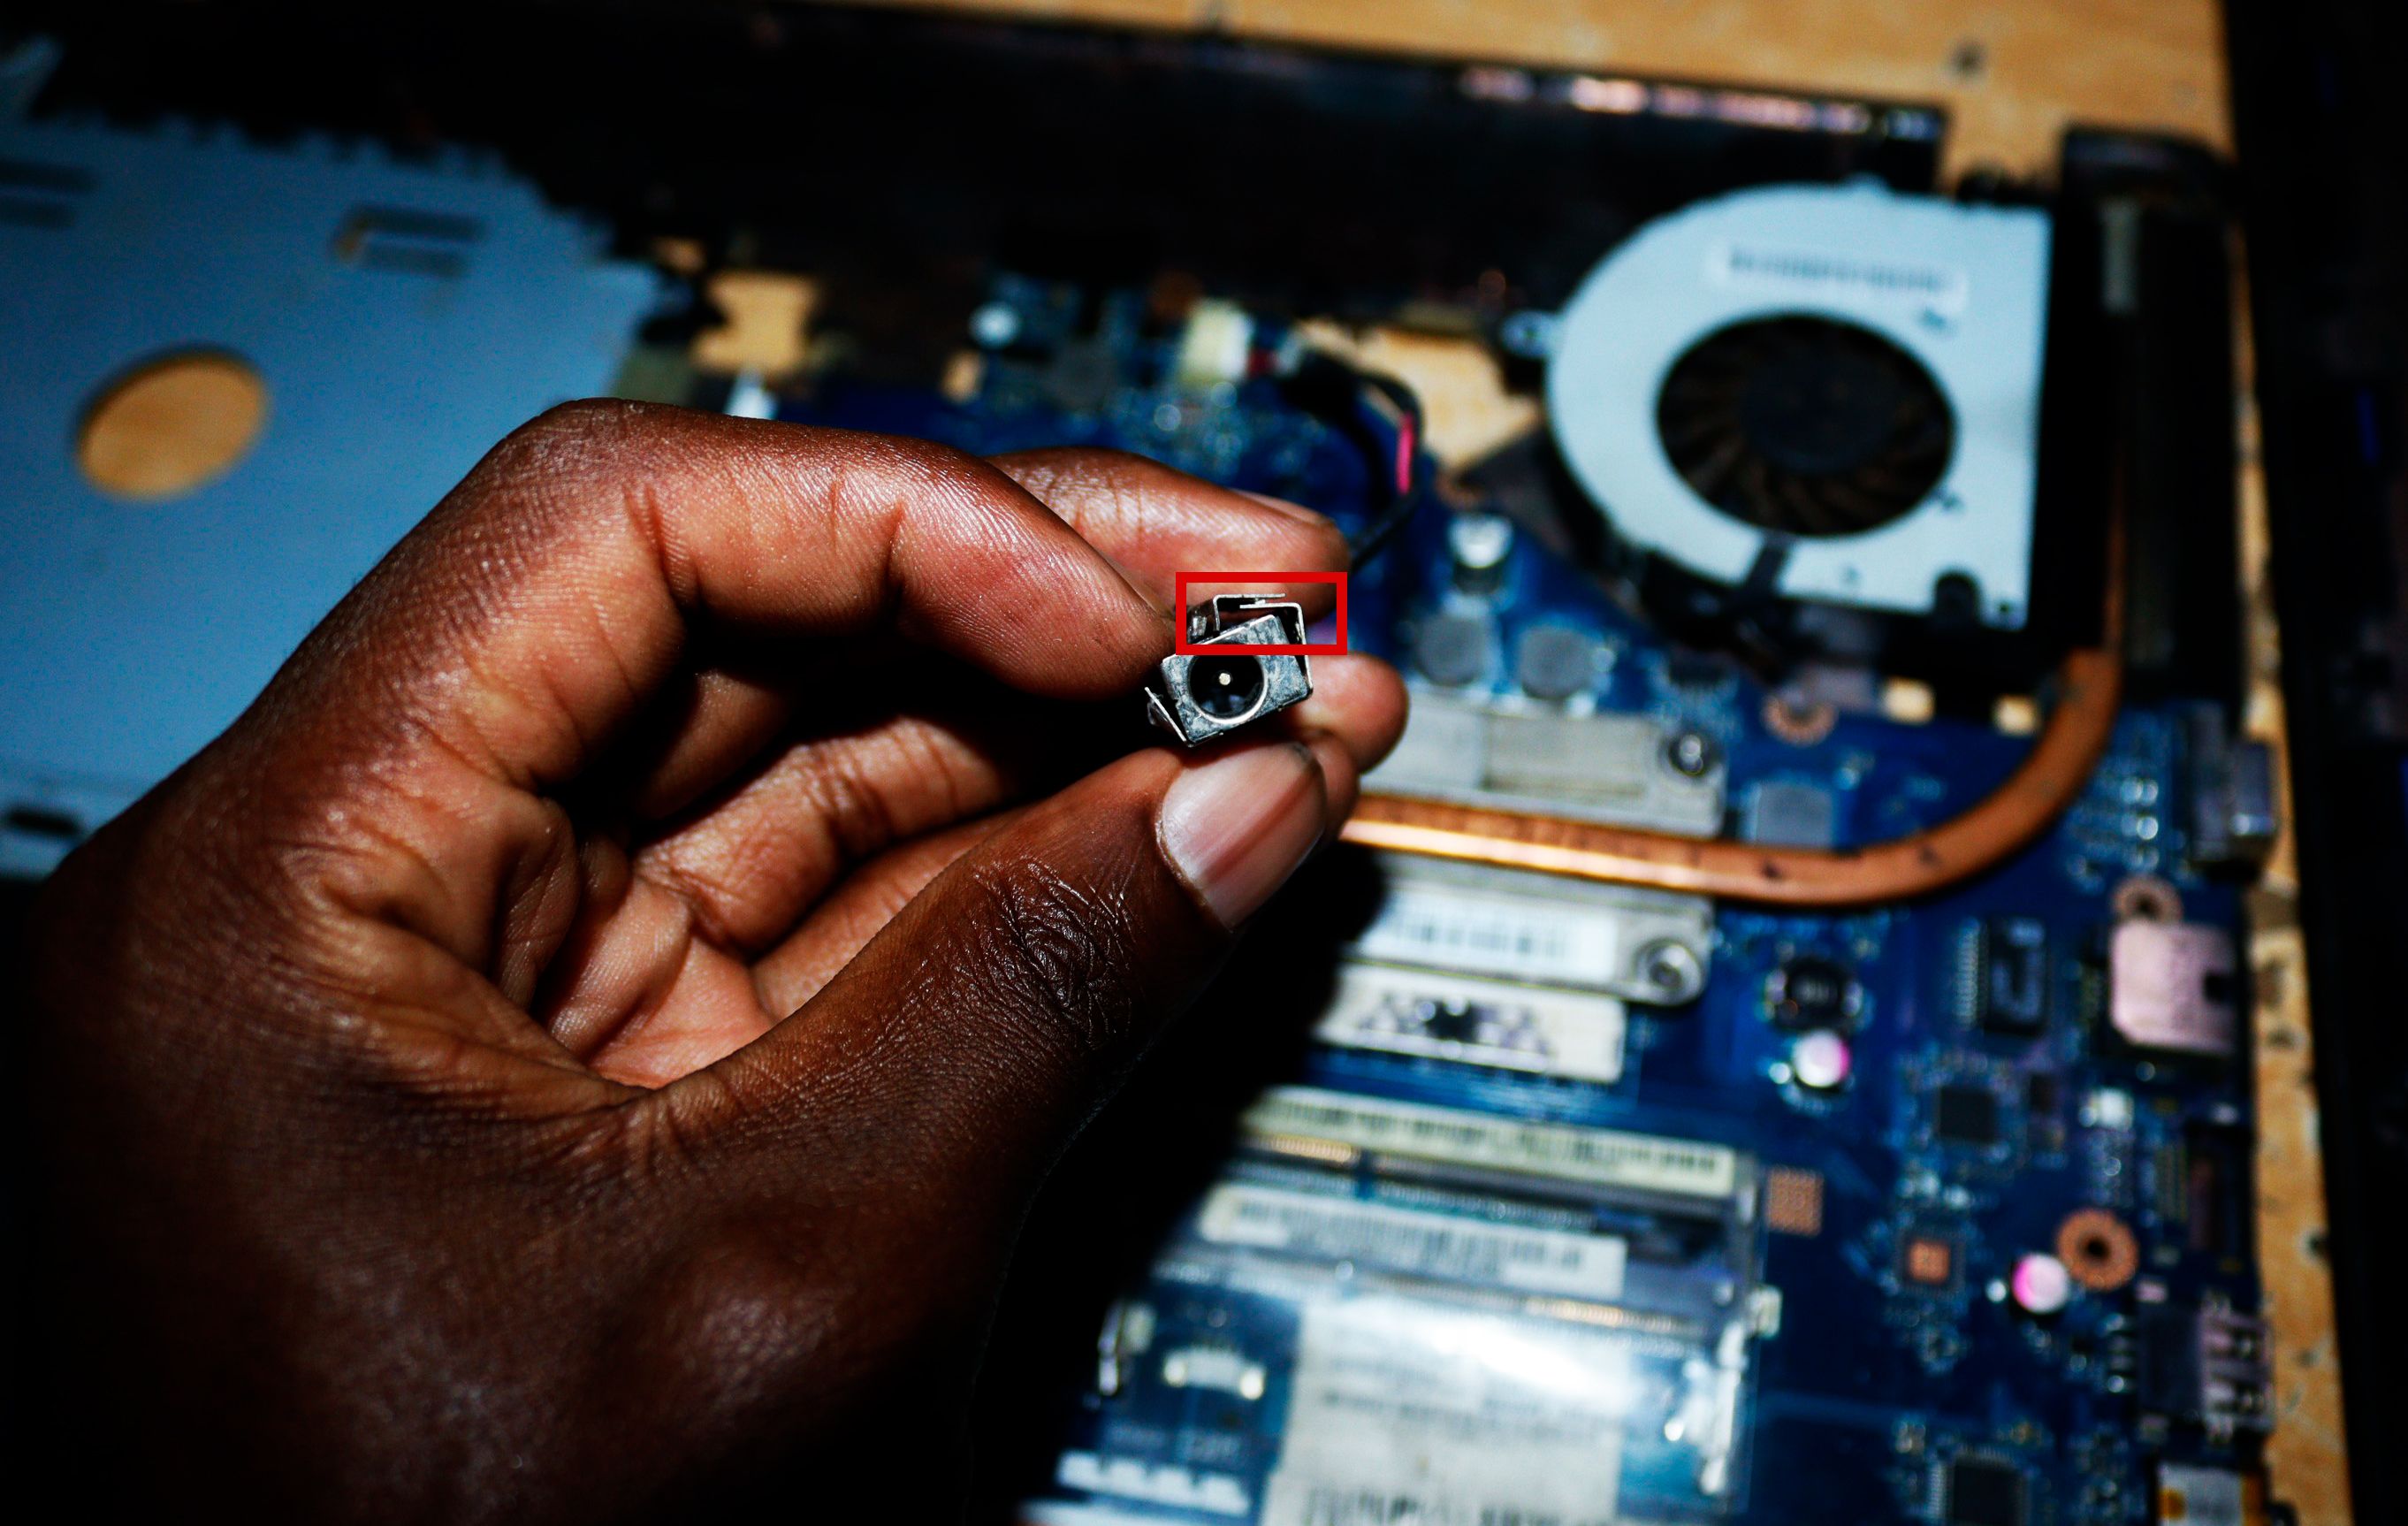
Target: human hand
[425, 1130]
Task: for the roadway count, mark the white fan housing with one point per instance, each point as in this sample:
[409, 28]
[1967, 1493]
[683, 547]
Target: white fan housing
[1963, 289]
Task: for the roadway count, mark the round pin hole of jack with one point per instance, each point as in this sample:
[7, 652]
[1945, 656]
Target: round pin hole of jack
[1226, 688]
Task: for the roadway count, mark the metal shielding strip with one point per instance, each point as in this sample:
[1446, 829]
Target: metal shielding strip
[1445, 1247]
[1601, 1157]
[1604, 768]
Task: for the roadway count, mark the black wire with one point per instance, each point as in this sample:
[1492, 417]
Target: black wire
[1341, 398]
[1398, 500]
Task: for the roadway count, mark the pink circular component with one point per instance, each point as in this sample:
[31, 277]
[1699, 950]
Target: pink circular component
[2041, 1283]
[1820, 1060]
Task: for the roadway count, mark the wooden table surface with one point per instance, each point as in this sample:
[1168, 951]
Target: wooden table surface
[2012, 76]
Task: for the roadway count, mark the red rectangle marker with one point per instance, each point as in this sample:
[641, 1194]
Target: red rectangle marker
[1271, 583]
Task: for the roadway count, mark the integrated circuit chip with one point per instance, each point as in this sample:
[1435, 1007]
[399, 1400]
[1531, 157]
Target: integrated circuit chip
[1965, 1114]
[1787, 813]
[1984, 1491]
[2010, 976]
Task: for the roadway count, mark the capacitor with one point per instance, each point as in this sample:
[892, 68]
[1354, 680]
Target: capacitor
[1479, 545]
[995, 325]
[1556, 663]
[1821, 1060]
[1451, 650]
[2041, 1285]
[1810, 990]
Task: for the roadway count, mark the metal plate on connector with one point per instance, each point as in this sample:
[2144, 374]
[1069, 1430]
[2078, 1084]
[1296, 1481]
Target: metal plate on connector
[1202, 695]
[1619, 770]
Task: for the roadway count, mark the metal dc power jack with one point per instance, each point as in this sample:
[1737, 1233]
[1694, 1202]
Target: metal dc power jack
[1201, 696]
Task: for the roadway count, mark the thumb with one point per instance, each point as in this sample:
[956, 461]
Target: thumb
[942, 1068]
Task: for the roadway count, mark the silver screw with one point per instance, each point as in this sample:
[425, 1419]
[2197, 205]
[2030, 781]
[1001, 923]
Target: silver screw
[1671, 972]
[1691, 754]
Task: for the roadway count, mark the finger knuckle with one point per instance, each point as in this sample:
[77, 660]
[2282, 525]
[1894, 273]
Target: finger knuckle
[605, 430]
[1079, 479]
[1100, 464]
[947, 467]
[594, 452]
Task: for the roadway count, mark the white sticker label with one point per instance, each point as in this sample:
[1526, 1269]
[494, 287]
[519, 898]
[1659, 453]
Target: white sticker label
[1476, 1022]
[1602, 1157]
[1495, 935]
[1939, 288]
[1440, 1247]
[1411, 1413]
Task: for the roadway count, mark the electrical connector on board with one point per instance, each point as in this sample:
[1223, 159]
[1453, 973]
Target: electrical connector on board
[2209, 1367]
[1200, 696]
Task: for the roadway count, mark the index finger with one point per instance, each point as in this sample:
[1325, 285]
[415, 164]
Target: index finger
[528, 618]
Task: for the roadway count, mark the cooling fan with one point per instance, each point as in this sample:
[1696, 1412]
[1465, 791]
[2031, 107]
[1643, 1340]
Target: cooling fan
[1828, 393]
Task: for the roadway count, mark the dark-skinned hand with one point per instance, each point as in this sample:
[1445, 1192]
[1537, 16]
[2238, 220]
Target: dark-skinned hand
[580, 1046]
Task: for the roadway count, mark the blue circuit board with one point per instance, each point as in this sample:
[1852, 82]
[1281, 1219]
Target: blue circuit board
[1990, 1102]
